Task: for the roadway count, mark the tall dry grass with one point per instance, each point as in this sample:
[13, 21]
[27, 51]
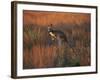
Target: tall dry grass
[41, 52]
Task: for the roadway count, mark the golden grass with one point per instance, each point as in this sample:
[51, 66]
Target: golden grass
[39, 54]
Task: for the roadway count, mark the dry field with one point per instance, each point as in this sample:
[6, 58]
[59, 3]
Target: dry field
[39, 51]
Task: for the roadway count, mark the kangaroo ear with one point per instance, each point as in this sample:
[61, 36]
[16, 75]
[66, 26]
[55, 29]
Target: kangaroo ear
[51, 25]
[49, 28]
